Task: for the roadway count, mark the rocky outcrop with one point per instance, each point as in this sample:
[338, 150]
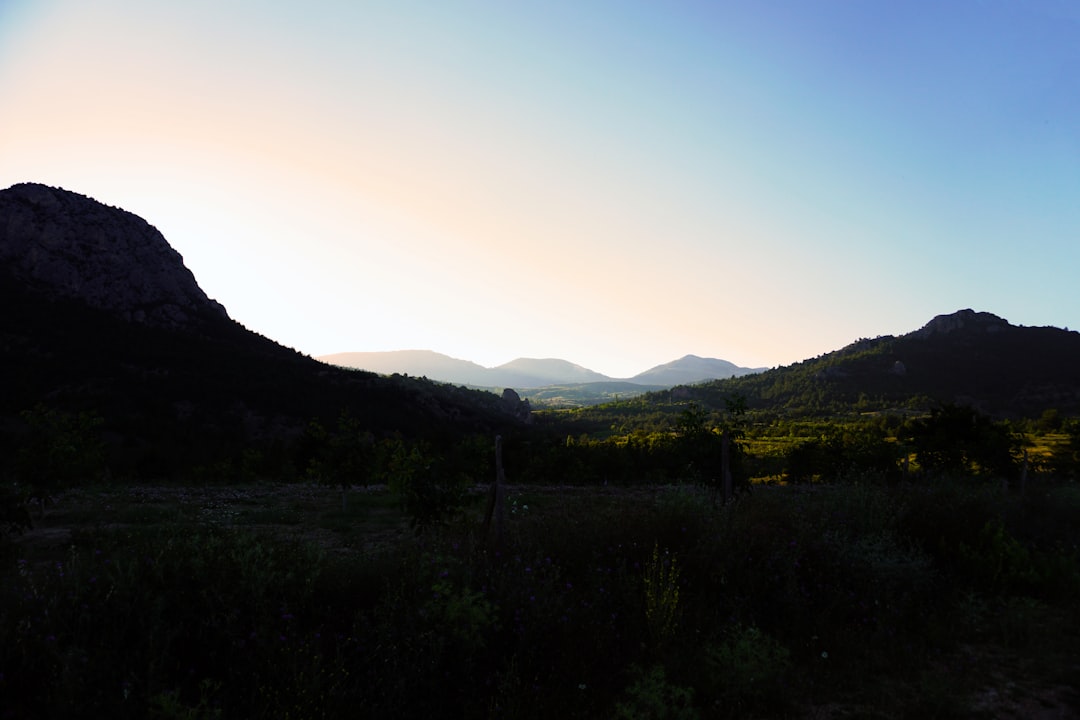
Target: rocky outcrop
[67, 245]
[514, 405]
[962, 320]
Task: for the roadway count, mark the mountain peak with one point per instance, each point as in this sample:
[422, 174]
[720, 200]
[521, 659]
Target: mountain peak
[537, 372]
[63, 244]
[966, 319]
[691, 369]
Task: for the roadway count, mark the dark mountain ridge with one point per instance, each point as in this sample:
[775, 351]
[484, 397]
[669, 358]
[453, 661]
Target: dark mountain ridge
[66, 245]
[101, 316]
[967, 357]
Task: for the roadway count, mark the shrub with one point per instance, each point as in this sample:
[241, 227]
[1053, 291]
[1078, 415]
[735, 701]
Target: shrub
[430, 491]
[661, 578]
[747, 669]
[651, 697]
[60, 450]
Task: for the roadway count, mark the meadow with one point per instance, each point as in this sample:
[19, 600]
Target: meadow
[929, 599]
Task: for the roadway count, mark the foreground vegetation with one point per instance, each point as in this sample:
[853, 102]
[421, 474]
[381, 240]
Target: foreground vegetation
[943, 599]
[874, 565]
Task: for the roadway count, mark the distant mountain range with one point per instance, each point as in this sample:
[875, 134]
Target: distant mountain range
[533, 373]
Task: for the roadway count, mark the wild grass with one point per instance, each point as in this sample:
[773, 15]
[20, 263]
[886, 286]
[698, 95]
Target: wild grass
[635, 603]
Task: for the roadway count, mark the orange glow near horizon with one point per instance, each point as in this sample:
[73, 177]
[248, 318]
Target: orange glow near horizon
[617, 185]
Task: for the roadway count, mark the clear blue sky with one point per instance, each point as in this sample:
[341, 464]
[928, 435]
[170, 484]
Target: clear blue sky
[615, 183]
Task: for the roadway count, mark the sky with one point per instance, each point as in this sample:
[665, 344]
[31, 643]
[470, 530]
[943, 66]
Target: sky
[616, 183]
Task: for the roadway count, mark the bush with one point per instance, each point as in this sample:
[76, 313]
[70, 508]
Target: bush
[748, 669]
[59, 451]
[652, 697]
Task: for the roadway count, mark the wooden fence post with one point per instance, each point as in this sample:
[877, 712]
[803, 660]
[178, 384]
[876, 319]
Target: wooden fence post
[725, 467]
[500, 492]
[496, 508]
[1023, 473]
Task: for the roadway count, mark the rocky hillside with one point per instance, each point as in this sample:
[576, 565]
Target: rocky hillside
[102, 317]
[63, 244]
[966, 357]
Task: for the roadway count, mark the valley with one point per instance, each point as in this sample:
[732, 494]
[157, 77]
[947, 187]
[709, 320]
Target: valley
[199, 522]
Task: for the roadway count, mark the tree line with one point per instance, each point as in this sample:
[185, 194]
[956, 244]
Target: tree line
[433, 474]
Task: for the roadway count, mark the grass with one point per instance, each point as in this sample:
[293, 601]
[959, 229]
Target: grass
[275, 601]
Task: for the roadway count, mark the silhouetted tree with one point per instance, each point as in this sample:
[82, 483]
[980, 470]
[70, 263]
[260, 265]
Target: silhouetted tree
[1065, 460]
[344, 456]
[959, 440]
[59, 451]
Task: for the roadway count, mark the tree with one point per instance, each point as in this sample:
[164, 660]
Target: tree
[429, 488]
[712, 450]
[344, 457]
[959, 440]
[59, 451]
[854, 454]
[1066, 458]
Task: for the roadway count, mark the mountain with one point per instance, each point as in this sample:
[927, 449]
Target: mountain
[533, 373]
[691, 369]
[70, 246]
[418, 363]
[521, 373]
[966, 357]
[101, 316]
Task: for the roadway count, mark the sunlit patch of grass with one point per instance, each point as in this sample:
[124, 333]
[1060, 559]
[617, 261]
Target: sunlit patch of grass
[1042, 446]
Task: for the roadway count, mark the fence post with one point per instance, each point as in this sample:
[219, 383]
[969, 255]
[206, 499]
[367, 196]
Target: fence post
[1023, 473]
[496, 500]
[500, 492]
[725, 467]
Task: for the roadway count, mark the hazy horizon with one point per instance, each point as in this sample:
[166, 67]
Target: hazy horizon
[613, 184]
[410, 351]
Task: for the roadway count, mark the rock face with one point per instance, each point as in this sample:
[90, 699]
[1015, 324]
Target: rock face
[513, 404]
[67, 245]
[962, 320]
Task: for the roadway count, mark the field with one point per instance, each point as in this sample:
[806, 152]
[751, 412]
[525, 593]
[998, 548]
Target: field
[288, 600]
